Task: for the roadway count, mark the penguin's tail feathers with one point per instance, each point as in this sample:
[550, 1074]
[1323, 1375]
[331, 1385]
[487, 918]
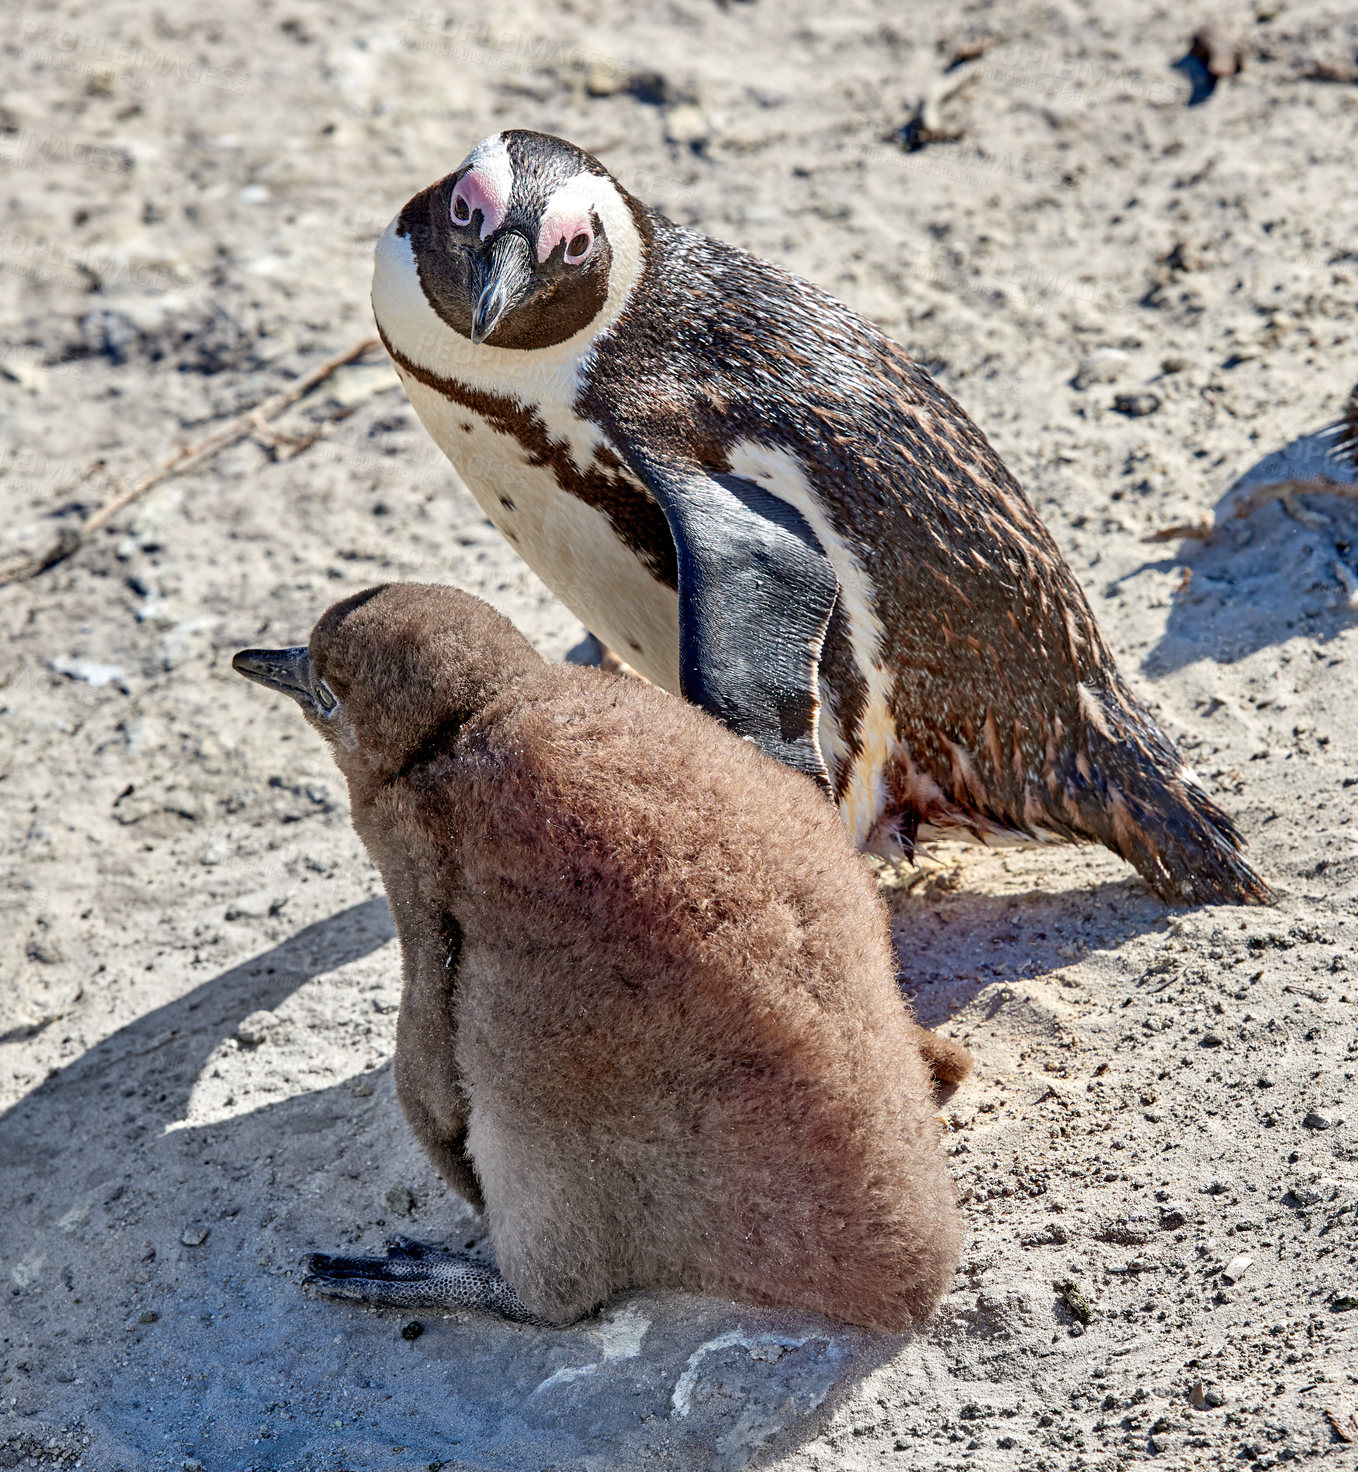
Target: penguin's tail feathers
[1146, 804]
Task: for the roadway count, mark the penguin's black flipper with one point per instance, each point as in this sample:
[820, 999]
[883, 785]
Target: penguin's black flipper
[756, 591]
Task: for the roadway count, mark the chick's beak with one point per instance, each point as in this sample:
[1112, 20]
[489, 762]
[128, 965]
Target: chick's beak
[288, 670]
[506, 275]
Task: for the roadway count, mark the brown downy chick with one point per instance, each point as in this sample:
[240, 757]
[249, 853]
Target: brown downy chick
[649, 1021]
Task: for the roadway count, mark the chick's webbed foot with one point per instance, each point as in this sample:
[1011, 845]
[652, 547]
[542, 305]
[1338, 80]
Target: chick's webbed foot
[417, 1275]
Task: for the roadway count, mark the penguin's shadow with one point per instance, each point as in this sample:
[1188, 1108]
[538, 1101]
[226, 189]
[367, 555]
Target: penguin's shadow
[1260, 581]
[951, 947]
[102, 1181]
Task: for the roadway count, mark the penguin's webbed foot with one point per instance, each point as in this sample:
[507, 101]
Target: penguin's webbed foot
[417, 1275]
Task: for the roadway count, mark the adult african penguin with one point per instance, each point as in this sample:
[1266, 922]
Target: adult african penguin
[763, 503]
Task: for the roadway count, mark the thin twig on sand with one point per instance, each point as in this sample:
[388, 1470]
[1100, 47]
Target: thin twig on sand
[1323, 463]
[70, 539]
[926, 123]
[1205, 528]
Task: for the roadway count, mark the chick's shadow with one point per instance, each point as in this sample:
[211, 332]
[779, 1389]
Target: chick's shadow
[173, 1042]
[235, 1337]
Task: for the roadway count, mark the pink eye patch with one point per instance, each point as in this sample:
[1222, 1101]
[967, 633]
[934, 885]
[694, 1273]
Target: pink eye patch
[575, 227]
[479, 190]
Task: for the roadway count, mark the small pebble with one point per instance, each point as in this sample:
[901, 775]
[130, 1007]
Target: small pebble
[45, 952]
[1137, 405]
[606, 79]
[260, 905]
[1104, 365]
[1206, 1397]
[687, 125]
[1212, 1040]
[255, 1028]
[1236, 1269]
[412, 1330]
[1076, 1301]
[194, 1235]
[147, 1316]
[1316, 1121]
[90, 672]
[399, 1199]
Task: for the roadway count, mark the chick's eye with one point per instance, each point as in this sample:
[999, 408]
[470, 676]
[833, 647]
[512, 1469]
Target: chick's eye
[461, 210]
[579, 247]
[325, 697]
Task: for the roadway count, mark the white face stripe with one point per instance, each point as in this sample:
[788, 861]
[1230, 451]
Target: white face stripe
[488, 183]
[568, 213]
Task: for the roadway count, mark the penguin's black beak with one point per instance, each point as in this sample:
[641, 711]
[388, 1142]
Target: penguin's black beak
[288, 670]
[505, 277]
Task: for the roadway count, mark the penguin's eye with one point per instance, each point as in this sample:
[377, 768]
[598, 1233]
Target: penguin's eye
[324, 697]
[579, 246]
[479, 193]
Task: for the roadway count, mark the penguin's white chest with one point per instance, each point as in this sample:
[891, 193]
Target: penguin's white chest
[570, 544]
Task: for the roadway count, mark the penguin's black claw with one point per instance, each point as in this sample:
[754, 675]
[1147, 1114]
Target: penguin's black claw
[417, 1275]
[398, 1245]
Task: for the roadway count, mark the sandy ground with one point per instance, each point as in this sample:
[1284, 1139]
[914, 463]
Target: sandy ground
[191, 197]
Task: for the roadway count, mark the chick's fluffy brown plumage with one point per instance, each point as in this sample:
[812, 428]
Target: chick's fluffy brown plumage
[650, 1021]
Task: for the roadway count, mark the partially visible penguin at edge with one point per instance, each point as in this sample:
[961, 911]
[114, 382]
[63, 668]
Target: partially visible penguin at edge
[649, 1025]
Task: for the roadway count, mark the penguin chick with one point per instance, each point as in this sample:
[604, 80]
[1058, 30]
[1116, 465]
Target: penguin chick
[649, 1021]
[764, 504]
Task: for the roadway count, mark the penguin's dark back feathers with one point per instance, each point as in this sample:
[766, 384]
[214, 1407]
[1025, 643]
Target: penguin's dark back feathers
[1004, 692]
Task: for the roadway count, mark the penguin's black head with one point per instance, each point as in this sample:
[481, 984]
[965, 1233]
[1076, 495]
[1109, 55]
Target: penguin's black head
[514, 247]
[391, 674]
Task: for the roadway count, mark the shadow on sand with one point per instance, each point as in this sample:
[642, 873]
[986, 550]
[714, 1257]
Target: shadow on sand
[951, 946]
[170, 1348]
[1287, 569]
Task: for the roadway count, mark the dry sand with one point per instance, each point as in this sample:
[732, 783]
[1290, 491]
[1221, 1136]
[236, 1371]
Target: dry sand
[192, 193]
